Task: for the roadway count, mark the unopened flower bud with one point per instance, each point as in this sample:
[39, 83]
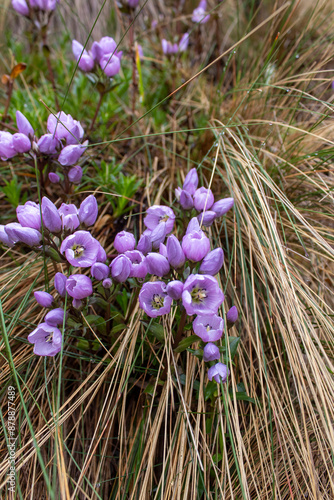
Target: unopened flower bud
[88, 210]
[54, 178]
[21, 143]
[222, 206]
[75, 174]
[174, 289]
[206, 218]
[124, 242]
[50, 216]
[121, 268]
[107, 283]
[191, 181]
[186, 200]
[175, 254]
[212, 262]
[157, 264]
[232, 316]
[60, 284]
[99, 271]
[211, 352]
[44, 299]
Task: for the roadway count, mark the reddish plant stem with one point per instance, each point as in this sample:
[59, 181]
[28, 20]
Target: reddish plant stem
[96, 112]
[134, 66]
[50, 70]
[9, 96]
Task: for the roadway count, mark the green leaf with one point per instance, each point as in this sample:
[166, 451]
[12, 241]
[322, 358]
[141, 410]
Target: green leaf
[96, 321]
[233, 343]
[186, 343]
[210, 390]
[156, 329]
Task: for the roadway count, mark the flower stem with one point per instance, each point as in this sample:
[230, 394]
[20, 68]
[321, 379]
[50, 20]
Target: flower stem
[180, 329]
[96, 112]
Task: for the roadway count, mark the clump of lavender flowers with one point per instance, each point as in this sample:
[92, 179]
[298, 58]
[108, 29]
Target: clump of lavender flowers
[103, 54]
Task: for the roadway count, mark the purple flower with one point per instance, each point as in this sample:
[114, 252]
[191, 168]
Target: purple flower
[75, 174]
[69, 216]
[110, 64]
[195, 245]
[232, 316]
[106, 46]
[157, 264]
[50, 216]
[209, 327]
[183, 43]
[21, 7]
[80, 249]
[174, 289]
[29, 215]
[219, 372]
[159, 214]
[79, 286]
[193, 225]
[186, 200]
[7, 149]
[24, 125]
[175, 254]
[191, 181]
[213, 262]
[101, 254]
[54, 178]
[63, 126]
[121, 268]
[124, 241]
[222, 206]
[47, 340]
[21, 143]
[133, 3]
[203, 199]
[138, 260]
[201, 295]
[55, 317]
[163, 250]
[199, 13]
[169, 47]
[44, 299]
[76, 303]
[211, 352]
[158, 235]
[144, 243]
[60, 284]
[154, 300]
[88, 211]
[71, 154]
[100, 271]
[86, 61]
[107, 283]
[27, 235]
[4, 238]
[48, 144]
[206, 218]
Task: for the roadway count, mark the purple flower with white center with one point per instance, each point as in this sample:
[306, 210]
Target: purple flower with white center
[206, 218]
[186, 200]
[212, 262]
[48, 144]
[154, 300]
[157, 264]
[54, 178]
[232, 316]
[64, 127]
[4, 238]
[159, 214]
[47, 340]
[138, 260]
[75, 174]
[100, 271]
[50, 216]
[88, 211]
[193, 225]
[21, 7]
[60, 284]
[191, 181]
[210, 352]
[121, 268]
[107, 283]
[80, 249]
[144, 243]
[110, 64]
[175, 254]
[69, 216]
[7, 149]
[70, 154]
[55, 317]
[218, 372]
[24, 125]
[201, 295]
[79, 286]
[29, 215]
[21, 143]
[203, 199]
[222, 206]
[209, 327]
[199, 13]
[174, 289]
[27, 235]
[44, 299]
[86, 61]
[124, 241]
[195, 245]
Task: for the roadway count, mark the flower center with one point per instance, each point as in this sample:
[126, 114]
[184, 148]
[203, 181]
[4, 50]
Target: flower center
[49, 338]
[164, 218]
[78, 250]
[208, 327]
[157, 301]
[198, 294]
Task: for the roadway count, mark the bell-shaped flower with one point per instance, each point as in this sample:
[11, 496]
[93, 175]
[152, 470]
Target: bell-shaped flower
[191, 181]
[121, 268]
[153, 299]
[79, 286]
[211, 352]
[110, 64]
[157, 264]
[124, 241]
[69, 216]
[232, 316]
[60, 284]
[203, 199]
[195, 245]
[80, 249]
[106, 46]
[48, 144]
[64, 127]
[107, 283]
[47, 340]
[175, 254]
[86, 61]
[29, 215]
[54, 178]
[24, 125]
[163, 250]
[50, 216]
[55, 317]
[174, 289]
[75, 174]
[70, 155]
[100, 271]
[186, 200]
[222, 206]
[193, 225]
[88, 211]
[212, 262]
[144, 243]
[201, 295]
[7, 149]
[4, 238]
[199, 15]
[206, 218]
[169, 47]
[44, 299]
[218, 372]
[138, 261]
[21, 7]
[184, 42]
[21, 143]
[26, 235]
[159, 214]
[209, 327]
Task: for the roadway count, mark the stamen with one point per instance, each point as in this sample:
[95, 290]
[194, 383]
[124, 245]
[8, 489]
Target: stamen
[49, 338]
[78, 250]
[157, 301]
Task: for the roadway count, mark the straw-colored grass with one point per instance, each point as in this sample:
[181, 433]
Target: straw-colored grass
[104, 426]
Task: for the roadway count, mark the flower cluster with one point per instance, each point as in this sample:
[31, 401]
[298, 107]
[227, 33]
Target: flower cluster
[199, 15]
[201, 200]
[103, 53]
[173, 48]
[61, 148]
[28, 8]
